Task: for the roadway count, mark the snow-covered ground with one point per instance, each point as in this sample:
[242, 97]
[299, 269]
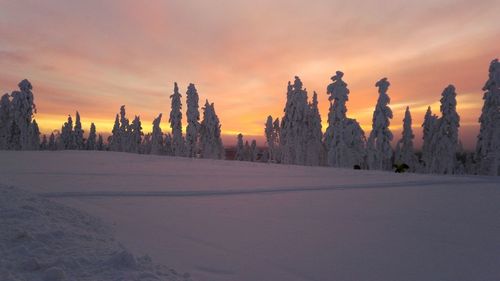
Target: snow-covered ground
[44, 240]
[226, 220]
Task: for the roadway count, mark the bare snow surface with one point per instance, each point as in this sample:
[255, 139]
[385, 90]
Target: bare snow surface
[76, 215]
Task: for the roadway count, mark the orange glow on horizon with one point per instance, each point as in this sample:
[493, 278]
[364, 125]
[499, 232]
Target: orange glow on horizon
[87, 61]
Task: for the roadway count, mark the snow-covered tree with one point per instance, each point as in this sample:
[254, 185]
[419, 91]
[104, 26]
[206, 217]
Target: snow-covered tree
[22, 110]
[355, 142]
[210, 134]
[344, 139]
[124, 130]
[405, 153]
[78, 133]
[135, 135]
[176, 123]
[277, 139]
[272, 132]
[240, 149]
[488, 141]
[5, 123]
[146, 144]
[428, 128]
[115, 139]
[379, 142]
[193, 121]
[52, 142]
[247, 151]
[270, 138]
[157, 137]
[264, 158]
[34, 136]
[314, 135]
[121, 138]
[253, 151]
[100, 143]
[334, 139]
[167, 145]
[293, 125]
[44, 145]
[67, 136]
[445, 139]
[91, 140]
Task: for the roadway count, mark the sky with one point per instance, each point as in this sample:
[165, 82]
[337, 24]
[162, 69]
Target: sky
[94, 56]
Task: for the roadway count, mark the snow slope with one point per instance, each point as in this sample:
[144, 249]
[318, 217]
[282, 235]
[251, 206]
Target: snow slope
[226, 220]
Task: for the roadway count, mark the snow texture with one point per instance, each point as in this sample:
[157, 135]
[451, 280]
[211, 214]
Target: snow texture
[44, 240]
[232, 220]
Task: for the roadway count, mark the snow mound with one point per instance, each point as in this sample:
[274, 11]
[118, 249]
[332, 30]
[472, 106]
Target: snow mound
[44, 240]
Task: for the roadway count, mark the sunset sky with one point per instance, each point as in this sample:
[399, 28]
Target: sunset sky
[93, 56]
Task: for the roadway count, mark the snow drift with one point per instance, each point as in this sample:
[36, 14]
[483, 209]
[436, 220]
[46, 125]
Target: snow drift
[44, 240]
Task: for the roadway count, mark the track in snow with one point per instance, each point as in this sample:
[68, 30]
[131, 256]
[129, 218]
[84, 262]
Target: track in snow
[233, 192]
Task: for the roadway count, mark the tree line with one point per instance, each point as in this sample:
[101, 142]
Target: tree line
[297, 138]
[19, 130]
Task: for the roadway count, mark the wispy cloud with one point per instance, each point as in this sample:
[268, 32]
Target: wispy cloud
[97, 55]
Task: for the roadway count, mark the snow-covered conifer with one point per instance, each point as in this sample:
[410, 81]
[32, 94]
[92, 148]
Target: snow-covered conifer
[167, 145]
[78, 133]
[428, 128]
[44, 145]
[135, 135]
[124, 130]
[405, 153]
[240, 149]
[115, 138]
[293, 124]
[344, 139]
[269, 132]
[210, 134]
[334, 139]
[253, 151]
[445, 139]
[5, 122]
[92, 138]
[52, 142]
[34, 136]
[176, 123]
[277, 140]
[100, 143]
[146, 144]
[488, 141]
[67, 139]
[379, 142]
[23, 108]
[314, 135]
[193, 121]
[247, 151]
[355, 142]
[157, 137]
